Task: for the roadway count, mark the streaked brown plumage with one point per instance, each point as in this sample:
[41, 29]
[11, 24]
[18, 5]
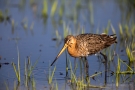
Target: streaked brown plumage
[83, 45]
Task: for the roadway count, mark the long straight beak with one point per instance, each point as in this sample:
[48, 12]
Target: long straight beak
[64, 47]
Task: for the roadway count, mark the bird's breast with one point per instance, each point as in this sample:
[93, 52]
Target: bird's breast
[73, 52]
[78, 51]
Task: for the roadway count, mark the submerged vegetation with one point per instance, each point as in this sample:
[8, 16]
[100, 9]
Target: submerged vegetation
[119, 64]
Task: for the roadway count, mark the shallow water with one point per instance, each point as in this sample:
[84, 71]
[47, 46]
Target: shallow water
[34, 36]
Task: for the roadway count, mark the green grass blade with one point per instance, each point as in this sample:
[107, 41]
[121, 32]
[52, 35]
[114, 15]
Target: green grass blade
[95, 74]
[107, 28]
[117, 73]
[45, 9]
[91, 13]
[32, 67]
[15, 70]
[73, 77]
[14, 85]
[129, 54]
[127, 72]
[121, 30]
[127, 65]
[52, 75]
[26, 78]
[56, 86]
[113, 30]
[33, 84]
[6, 86]
[19, 78]
[54, 7]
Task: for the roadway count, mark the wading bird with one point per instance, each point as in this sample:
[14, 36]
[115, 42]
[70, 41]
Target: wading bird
[83, 45]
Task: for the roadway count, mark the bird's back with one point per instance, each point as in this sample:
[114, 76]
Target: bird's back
[88, 44]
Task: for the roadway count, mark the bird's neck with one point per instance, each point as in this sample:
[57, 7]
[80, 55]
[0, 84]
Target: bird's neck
[72, 50]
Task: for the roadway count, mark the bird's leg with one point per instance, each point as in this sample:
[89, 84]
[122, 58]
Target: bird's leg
[105, 57]
[87, 64]
[87, 69]
[74, 63]
[66, 64]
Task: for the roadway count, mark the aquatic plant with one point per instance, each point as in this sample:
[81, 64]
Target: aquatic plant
[17, 70]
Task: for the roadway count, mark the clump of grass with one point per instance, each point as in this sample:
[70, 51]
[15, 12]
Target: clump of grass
[51, 75]
[80, 83]
[29, 67]
[28, 71]
[17, 70]
[126, 72]
[129, 54]
[126, 33]
[33, 83]
[117, 73]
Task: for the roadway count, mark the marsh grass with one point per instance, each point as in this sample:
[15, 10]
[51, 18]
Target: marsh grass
[17, 70]
[51, 75]
[1, 16]
[80, 82]
[126, 34]
[54, 7]
[76, 83]
[33, 83]
[61, 9]
[124, 73]
[29, 67]
[29, 78]
[45, 10]
[7, 88]
[56, 87]
[53, 85]
[91, 12]
[17, 86]
[129, 54]
[117, 73]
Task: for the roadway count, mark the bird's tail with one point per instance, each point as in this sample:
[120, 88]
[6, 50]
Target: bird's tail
[110, 39]
[113, 38]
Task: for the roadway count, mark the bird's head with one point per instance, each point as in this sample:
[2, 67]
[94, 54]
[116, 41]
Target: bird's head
[68, 42]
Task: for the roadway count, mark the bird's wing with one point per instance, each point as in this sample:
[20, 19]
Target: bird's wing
[90, 43]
